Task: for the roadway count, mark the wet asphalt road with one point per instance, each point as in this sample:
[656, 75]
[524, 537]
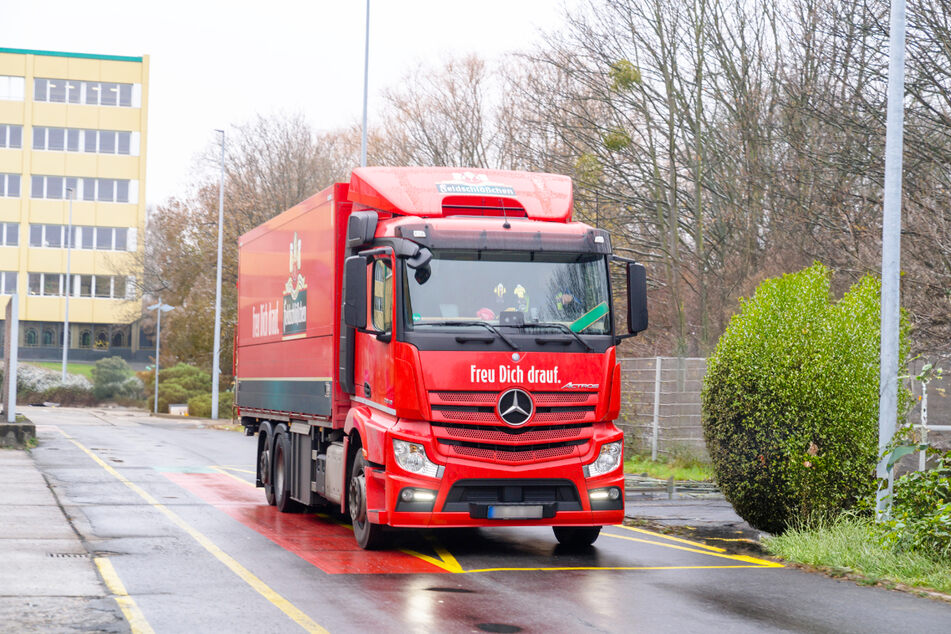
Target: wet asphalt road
[172, 507]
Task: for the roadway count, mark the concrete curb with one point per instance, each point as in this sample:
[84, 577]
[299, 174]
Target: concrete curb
[17, 435]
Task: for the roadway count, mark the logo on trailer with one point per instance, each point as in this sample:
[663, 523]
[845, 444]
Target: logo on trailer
[472, 183]
[515, 407]
[295, 292]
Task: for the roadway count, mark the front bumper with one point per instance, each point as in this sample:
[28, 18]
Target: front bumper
[483, 494]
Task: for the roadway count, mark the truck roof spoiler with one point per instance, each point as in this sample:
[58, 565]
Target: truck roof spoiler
[422, 191]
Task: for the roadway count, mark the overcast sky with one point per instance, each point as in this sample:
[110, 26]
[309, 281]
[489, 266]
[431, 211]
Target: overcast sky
[214, 64]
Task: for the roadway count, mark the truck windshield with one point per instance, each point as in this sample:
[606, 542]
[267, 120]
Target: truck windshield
[518, 289]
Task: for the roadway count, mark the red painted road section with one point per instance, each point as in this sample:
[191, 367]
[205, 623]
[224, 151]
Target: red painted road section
[325, 544]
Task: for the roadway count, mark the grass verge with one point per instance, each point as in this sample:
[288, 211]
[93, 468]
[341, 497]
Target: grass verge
[849, 547]
[679, 468]
[82, 369]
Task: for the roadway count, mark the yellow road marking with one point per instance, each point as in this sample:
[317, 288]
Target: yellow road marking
[569, 568]
[752, 560]
[222, 471]
[254, 473]
[133, 614]
[671, 538]
[246, 575]
[445, 559]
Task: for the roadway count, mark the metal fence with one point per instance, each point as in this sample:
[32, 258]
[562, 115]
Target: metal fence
[660, 406]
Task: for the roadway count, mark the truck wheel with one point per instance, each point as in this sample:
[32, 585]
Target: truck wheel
[369, 536]
[264, 468]
[576, 536]
[282, 469]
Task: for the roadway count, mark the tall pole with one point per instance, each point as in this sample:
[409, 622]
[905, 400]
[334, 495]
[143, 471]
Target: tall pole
[159, 308]
[215, 369]
[366, 75]
[158, 343]
[891, 253]
[69, 285]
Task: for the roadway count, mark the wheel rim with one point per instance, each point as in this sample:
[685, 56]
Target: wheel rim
[279, 473]
[264, 467]
[358, 488]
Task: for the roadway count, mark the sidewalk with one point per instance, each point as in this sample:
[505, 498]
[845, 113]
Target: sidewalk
[48, 580]
[707, 516]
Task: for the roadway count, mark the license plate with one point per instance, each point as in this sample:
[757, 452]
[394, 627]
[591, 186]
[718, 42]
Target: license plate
[515, 512]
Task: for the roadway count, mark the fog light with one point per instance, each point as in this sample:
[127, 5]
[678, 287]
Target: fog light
[600, 494]
[614, 493]
[417, 495]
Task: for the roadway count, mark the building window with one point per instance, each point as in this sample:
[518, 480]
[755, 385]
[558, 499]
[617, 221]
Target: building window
[107, 190]
[30, 337]
[10, 185]
[102, 341]
[84, 237]
[85, 285]
[11, 136]
[81, 140]
[85, 339]
[9, 234]
[102, 286]
[12, 88]
[45, 284]
[117, 340]
[8, 282]
[93, 93]
[47, 337]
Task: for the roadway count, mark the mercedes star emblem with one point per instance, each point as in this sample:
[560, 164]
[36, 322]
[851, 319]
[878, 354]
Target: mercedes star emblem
[515, 407]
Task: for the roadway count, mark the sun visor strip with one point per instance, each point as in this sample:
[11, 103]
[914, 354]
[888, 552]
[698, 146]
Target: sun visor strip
[591, 241]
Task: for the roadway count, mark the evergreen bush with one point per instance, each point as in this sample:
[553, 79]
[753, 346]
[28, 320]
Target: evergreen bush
[113, 378]
[790, 400]
[200, 405]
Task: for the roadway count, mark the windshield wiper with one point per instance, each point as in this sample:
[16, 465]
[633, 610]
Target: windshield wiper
[562, 327]
[489, 327]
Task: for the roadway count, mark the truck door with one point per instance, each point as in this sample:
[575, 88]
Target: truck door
[373, 361]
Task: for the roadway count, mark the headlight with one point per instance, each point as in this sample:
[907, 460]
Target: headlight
[608, 460]
[412, 457]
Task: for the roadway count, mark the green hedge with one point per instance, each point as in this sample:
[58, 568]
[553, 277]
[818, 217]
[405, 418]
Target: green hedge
[790, 400]
[201, 405]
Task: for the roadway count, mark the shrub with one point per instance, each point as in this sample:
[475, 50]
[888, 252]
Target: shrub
[113, 378]
[790, 400]
[201, 405]
[921, 511]
[67, 395]
[32, 378]
[178, 384]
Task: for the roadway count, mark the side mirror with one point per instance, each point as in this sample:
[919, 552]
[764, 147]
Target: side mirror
[355, 291]
[636, 298]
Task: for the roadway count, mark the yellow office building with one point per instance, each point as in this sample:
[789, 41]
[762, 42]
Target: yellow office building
[73, 125]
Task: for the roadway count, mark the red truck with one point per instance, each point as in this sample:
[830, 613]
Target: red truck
[435, 347]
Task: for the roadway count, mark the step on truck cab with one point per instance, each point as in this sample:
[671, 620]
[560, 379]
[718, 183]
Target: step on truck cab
[435, 347]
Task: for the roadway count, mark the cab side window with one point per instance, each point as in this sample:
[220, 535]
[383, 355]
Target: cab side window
[382, 306]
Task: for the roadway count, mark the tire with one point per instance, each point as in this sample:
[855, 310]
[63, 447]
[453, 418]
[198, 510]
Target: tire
[281, 479]
[264, 468]
[576, 536]
[369, 536]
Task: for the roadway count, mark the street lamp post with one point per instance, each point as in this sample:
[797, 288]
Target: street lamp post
[216, 369]
[69, 289]
[159, 308]
[366, 76]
